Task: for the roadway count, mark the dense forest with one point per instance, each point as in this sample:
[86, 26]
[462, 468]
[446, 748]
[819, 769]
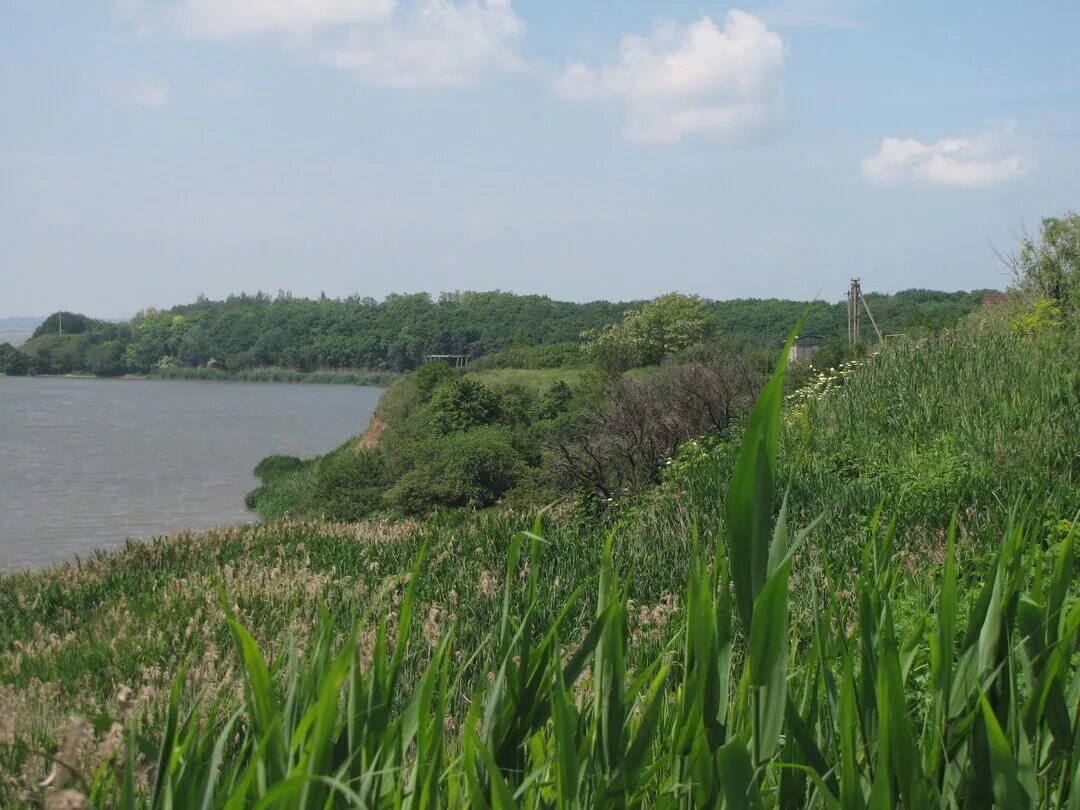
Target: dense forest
[258, 331]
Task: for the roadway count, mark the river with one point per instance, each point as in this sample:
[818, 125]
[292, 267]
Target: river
[86, 463]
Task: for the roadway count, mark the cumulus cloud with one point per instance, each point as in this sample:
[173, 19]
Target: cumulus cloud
[994, 156]
[243, 18]
[438, 43]
[697, 79]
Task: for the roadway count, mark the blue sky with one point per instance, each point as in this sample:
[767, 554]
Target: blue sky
[151, 151]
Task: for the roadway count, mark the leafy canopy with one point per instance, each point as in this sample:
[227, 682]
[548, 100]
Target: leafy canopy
[645, 336]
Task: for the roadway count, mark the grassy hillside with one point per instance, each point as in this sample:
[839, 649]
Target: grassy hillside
[894, 630]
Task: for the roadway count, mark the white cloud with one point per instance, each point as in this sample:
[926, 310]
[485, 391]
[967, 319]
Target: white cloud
[696, 79]
[437, 43]
[413, 43]
[242, 18]
[994, 156]
[142, 92]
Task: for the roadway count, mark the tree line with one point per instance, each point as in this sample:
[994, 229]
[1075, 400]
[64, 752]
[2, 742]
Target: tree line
[256, 331]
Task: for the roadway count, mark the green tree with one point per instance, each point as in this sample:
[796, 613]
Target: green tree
[461, 404]
[67, 323]
[661, 327]
[1050, 264]
[106, 359]
[350, 483]
[465, 469]
[430, 376]
[13, 362]
[555, 400]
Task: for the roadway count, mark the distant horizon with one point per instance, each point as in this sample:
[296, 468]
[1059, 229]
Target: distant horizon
[5, 320]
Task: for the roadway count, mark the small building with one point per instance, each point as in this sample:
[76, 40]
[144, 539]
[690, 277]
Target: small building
[804, 347]
[993, 299]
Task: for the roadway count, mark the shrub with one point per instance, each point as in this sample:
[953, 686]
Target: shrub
[555, 400]
[464, 469]
[461, 403]
[663, 326]
[430, 376]
[12, 361]
[272, 467]
[349, 484]
[622, 442]
[106, 359]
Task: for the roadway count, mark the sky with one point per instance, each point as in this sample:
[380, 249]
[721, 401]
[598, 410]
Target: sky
[155, 150]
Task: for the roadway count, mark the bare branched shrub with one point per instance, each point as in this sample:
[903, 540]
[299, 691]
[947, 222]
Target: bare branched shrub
[619, 446]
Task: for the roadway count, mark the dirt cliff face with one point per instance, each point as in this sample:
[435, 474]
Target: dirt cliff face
[371, 436]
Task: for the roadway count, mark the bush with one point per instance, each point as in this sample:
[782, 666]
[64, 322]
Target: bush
[106, 359]
[464, 469]
[556, 400]
[13, 362]
[430, 376]
[273, 467]
[622, 442]
[349, 484]
[461, 404]
[664, 326]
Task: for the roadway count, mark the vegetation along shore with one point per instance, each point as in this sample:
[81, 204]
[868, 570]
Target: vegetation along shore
[668, 569]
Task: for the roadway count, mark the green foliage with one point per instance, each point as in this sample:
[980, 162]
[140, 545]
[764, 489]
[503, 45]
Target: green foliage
[1050, 264]
[498, 330]
[254, 331]
[555, 400]
[13, 362]
[272, 467]
[526, 355]
[471, 468]
[978, 419]
[461, 404]
[1042, 319]
[67, 323]
[430, 376]
[350, 484]
[466, 445]
[52, 354]
[661, 327]
[106, 359]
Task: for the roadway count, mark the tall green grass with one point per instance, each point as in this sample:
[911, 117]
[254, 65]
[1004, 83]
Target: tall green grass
[975, 703]
[976, 420]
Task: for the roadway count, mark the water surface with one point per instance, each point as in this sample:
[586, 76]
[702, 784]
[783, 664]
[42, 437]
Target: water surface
[85, 463]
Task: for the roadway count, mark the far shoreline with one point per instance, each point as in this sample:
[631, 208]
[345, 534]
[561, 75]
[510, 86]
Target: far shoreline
[373, 379]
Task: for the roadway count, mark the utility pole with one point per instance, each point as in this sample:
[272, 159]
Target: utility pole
[854, 298]
[853, 315]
